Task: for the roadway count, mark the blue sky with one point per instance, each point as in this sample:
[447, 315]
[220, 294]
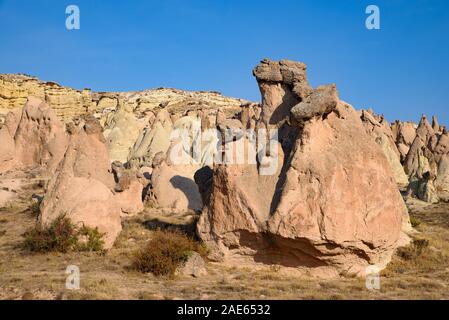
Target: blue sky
[400, 70]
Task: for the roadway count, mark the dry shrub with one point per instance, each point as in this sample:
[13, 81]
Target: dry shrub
[421, 257]
[165, 252]
[63, 236]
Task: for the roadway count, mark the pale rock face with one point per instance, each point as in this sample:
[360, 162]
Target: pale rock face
[334, 195]
[152, 141]
[81, 189]
[331, 209]
[383, 136]
[420, 158]
[173, 187]
[121, 132]
[128, 188]
[7, 143]
[34, 139]
[404, 134]
[442, 179]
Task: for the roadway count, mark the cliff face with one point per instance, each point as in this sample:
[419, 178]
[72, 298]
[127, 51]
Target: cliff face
[69, 103]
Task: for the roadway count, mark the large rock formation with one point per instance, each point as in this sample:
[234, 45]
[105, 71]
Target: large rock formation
[121, 132]
[35, 138]
[152, 141]
[381, 132]
[80, 189]
[83, 186]
[325, 205]
[69, 103]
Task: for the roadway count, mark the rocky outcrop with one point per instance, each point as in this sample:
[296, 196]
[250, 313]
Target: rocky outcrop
[121, 132]
[32, 138]
[66, 102]
[282, 84]
[69, 103]
[404, 134]
[81, 187]
[152, 141]
[173, 186]
[325, 206]
[382, 134]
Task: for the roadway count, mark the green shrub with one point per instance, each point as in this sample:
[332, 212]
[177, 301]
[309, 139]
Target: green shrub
[35, 209]
[165, 252]
[93, 239]
[414, 221]
[63, 236]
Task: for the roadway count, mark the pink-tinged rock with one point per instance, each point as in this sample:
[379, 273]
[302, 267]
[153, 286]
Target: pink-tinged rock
[382, 134]
[32, 138]
[173, 187]
[40, 138]
[82, 185]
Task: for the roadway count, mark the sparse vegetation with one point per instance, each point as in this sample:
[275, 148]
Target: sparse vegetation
[414, 221]
[62, 236]
[165, 252]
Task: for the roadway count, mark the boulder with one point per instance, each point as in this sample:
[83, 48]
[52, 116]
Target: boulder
[194, 266]
[282, 84]
[321, 102]
[173, 186]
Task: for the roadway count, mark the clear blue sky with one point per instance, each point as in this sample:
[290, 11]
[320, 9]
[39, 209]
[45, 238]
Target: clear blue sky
[400, 70]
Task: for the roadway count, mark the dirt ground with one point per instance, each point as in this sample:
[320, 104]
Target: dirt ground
[419, 271]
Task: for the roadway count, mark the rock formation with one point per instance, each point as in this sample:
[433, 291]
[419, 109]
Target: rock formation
[35, 138]
[381, 132]
[325, 205]
[121, 132]
[173, 186]
[81, 187]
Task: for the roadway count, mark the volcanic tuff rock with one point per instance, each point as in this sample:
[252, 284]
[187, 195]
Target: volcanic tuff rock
[81, 187]
[282, 85]
[381, 132]
[323, 195]
[325, 205]
[32, 137]
[69, 103]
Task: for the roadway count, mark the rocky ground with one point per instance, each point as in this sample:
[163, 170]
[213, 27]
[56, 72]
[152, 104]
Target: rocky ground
[419, 271]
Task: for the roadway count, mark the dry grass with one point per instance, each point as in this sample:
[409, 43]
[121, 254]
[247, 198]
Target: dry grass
[420, 271]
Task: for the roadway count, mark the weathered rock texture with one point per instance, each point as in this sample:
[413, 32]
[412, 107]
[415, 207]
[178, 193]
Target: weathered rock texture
[69, 103]
[326, 204]
[32, 137]
[81, 186]
[381, 132]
